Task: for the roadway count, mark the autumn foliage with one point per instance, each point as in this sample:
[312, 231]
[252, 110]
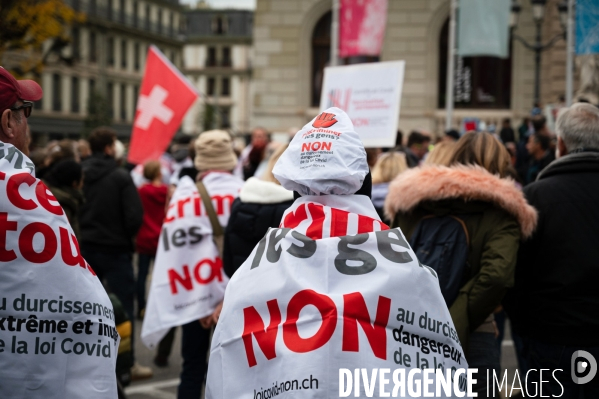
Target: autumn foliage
[27, 24]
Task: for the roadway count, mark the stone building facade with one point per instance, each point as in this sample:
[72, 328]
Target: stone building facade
[290, 41]
[108, 53]
[216, 59]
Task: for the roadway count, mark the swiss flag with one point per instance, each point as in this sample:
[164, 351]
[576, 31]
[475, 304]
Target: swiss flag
[165, 97]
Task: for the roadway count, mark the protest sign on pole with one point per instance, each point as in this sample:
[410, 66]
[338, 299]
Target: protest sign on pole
[362, 27]
[370, 94]
[333, 288]
[587, 27]
[188, 279]
[57, 325]
[484, 28]
[164, 98]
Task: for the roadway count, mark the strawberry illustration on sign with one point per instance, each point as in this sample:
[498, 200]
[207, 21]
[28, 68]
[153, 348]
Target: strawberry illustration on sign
[164, 99]
[324, 120]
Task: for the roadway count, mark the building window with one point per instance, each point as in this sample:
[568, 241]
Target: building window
[122, 11]
[211, 86]
[93, 51]
[92, 87]
[75, 95]
[110, 98]
[225, 88]
[160, 20]
[124, 54]
[75, 43]
[136, 56]
[110, 51]
[135, 13]
[225, 117]
[147, 17]
[56, 93]
[480, 82]
[110, 9]
[123, 101]
[226, 61]
[92, 7]
[321, 45]
[219, 25]
[171, 23]
[211, 60]
[135, 96]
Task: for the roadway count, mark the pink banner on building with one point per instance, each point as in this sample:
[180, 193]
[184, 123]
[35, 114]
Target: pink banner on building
[362, 27]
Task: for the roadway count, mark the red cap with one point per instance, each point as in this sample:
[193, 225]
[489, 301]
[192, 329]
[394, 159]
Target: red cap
[12, 90]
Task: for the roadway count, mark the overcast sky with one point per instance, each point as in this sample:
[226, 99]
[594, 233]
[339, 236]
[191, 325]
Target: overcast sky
[244, 4]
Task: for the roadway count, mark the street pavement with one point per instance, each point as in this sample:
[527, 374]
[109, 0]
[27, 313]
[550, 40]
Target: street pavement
[165, 381]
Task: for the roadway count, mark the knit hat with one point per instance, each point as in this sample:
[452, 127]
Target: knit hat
[214, 150]
[325, 157]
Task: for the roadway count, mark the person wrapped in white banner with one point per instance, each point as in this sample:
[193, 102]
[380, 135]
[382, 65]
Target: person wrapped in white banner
[333, 289]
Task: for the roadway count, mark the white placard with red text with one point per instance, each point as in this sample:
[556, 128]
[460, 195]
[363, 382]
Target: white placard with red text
[370, 94]
[188, 279]
[332, 288]
[57, 330]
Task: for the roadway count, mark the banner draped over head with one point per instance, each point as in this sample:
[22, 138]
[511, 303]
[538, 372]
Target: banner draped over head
[332, 288]
[188, 279]
[325, 157]
[57, 329]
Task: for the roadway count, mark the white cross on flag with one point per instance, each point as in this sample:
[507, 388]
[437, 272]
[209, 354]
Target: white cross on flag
[165, 96]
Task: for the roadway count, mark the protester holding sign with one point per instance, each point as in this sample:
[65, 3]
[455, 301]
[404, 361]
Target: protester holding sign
[332, 290]
[57, 326]
[188, 282]
[491, 213]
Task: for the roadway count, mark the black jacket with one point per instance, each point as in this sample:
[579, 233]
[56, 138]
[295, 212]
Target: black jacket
[260, 206]
[555, 298]
[112, 213]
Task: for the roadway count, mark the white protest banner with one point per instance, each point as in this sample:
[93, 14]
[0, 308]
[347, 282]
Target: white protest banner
[333, 288]
[57, 330]
[370, 94]
[188, 279]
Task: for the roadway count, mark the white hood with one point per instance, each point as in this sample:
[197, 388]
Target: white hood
[325, 157]
[258, 191]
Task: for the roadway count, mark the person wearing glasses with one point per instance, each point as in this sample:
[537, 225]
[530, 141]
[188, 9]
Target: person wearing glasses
[16, 104]
[35, 268]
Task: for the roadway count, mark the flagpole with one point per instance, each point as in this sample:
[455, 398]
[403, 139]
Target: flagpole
[570, 54]
[450, 65]
[335, 34]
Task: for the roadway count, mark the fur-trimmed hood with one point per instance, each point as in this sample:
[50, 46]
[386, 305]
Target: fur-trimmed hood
[471, 183]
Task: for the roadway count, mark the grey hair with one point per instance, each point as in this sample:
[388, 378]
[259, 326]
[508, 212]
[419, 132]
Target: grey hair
[578, 126]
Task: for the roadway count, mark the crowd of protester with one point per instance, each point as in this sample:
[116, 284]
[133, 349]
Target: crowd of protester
[529, 220]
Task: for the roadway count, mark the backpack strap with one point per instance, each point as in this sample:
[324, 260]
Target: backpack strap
[217, 229]
[463, 226]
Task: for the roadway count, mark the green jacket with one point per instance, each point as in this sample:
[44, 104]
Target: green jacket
[496, 216]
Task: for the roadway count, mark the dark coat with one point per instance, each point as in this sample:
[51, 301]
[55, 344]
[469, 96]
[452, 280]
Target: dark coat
[259, 207]
[496, 215]
[112, 213]
[558, 269]
[71, 200]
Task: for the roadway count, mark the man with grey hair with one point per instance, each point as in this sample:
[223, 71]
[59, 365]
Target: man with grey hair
[555, 300]
[16, 104]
